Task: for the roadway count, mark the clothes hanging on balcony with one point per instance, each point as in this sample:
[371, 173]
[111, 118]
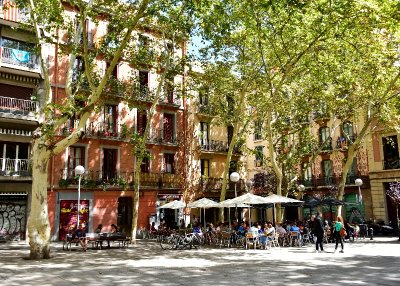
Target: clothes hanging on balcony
[21, 56]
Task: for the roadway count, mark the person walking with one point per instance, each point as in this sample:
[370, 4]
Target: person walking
[338, 226]
[318, 230]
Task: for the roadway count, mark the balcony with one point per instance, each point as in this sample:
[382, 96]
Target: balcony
[162, 136]
[391, 164]
[326, 145]
[326, 181]
[15, 167]
[170, 99]
[218, 146]
[122, 179]
[344, 142]
[215, 184]
[103, 131]
[18, 108]
[18, 59]
[206, 109]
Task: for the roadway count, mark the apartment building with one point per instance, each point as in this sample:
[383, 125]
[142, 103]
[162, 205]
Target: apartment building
[320, 175]
[384, 168]
[209, 150]
[20, 77]
[108, 157]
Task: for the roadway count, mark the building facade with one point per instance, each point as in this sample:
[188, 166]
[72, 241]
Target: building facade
[20, 77]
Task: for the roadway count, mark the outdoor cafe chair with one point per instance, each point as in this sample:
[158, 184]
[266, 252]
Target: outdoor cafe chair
[252, 239]
[275, 240]
[295, 239]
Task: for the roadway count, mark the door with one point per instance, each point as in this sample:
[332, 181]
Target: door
[327, 172]
[168, 125]
[124, 218]
[109, 164]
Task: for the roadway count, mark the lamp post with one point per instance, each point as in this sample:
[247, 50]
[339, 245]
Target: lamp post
[301, 190]
[79, 170]
[359, 182]
[235, 177]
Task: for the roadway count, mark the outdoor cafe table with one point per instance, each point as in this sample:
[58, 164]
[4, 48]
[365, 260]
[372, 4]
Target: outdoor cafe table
[97, 239]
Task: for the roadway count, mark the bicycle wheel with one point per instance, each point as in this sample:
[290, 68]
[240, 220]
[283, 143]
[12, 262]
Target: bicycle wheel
[167, 242]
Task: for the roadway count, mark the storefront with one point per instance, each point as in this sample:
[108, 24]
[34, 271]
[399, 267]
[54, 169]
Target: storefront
[13, 216]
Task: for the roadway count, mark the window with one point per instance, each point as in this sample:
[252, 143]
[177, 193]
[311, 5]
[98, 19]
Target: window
[306, 172]
[169, 89]
[110, 120]
[204, 133]
[169, 163]
[109, 163]
[390, 152]
[257, 130]
[14, 157]
[76, 157]
[78, 69]
[203, 96]
[352, 173]
[259, 156]
[324, 138]
[145, 166]
[204, 167]
[327, 172]
[169, 128]
[348, 129]
[114, 73]
[143, 83]
[141, 121]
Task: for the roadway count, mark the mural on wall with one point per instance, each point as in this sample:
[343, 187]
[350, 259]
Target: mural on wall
[69, 215]
[12, 219]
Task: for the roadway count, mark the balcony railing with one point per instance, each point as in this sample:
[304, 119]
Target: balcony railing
[162, 136]
[326, 181]
[102, 130]
[121, 179]
[20, 58]
[17, 106]
[15, 167]
[215, 184]
[170, 99]
[218, 146]
[206, 109]
[326, 145]
[344, 142]
[391, 164]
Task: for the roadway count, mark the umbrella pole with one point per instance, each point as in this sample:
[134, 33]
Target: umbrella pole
[204, 218]
[330, 206]
[273, 214]
[229, 215]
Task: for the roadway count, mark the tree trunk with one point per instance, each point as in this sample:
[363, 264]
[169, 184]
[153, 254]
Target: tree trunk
[38, 219]
[135, 209]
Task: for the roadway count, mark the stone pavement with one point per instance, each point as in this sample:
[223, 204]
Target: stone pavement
[364, 262]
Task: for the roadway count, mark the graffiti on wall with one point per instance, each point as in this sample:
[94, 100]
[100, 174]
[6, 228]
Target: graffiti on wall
[12, 220]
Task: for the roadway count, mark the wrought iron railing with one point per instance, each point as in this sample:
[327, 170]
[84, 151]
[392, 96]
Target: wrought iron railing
[15, 167]
[17, 106]
[19, 58]
[162, 136]
[391, 164]
[218, 146]
[326, 181]
[215, 184]
[115, 178]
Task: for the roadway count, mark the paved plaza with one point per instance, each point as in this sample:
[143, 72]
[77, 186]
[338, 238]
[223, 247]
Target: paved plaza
[364, 262]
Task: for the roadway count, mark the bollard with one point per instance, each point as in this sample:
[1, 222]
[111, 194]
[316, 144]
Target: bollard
[371, 233]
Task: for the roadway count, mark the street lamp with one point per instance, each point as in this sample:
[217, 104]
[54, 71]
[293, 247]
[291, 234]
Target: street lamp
[301, 190]
[79, 170]
[359, 182]
[235, 177]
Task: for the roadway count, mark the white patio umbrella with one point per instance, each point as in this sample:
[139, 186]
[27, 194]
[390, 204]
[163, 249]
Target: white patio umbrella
[245, 201]
[204, 203]
[173, 205]
[277, 199]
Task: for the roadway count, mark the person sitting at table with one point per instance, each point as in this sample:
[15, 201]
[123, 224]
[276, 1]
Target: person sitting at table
[99, 228]
[80, 234]
[281, 230]
[114, 228]
[153, 229]
[270, 231]
[295, 228]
